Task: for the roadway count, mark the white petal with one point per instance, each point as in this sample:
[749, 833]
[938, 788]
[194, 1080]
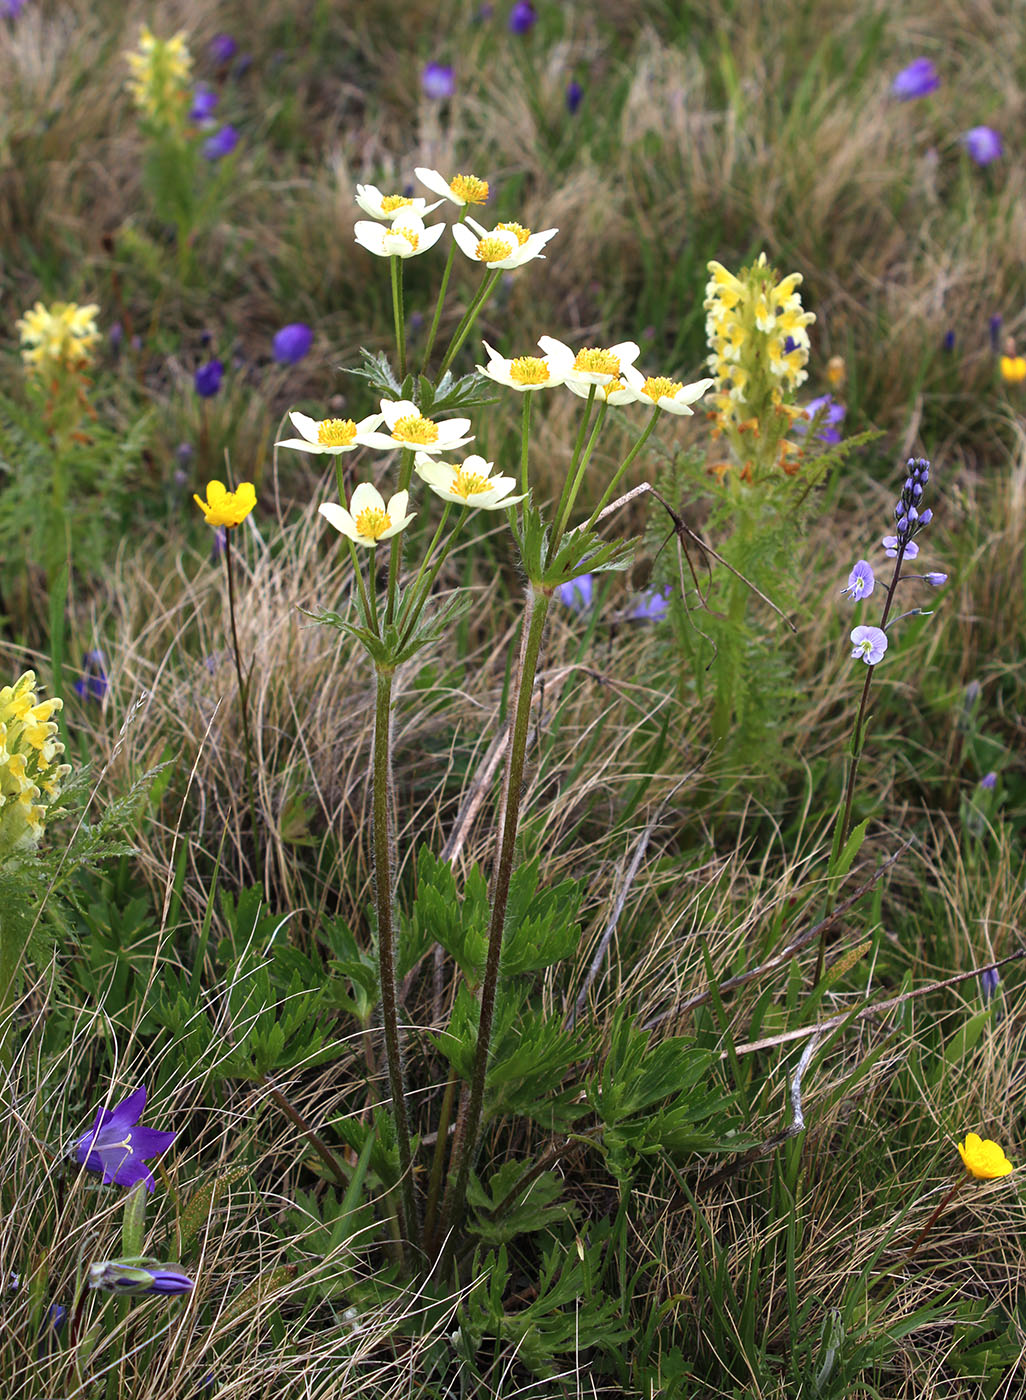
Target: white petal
[476, 463]
[466, 240]
[434, 473]
[430, 237]
[341, 519]
[301, 445]
[366, 425]
[557, 351]
[366, 496]
[435, 182]
[370, 236]
[626, 352]
[482, 232]
[394, 409]
[306, 427]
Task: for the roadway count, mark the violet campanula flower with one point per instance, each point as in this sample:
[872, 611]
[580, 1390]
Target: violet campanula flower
[138, 1276]
[11, 9]
[437, 81]
[983, 144]
[204, 100]
[989, 983]
[93, 684]
[995, 331]
[291, 343]
[221, 144]
[578, 593]
[832, 417]
[989, 781]
[861, 581]
[868, 644]
[574, 95]
[207, 379]
[222, 48]
[917, 80]
[117, 1144]
[521, 17]
[651, 606]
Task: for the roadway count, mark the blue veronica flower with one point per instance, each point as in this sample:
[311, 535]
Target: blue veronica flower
[861, 581]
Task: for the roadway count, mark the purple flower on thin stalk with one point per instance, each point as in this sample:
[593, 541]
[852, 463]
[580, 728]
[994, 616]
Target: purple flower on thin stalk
[989, 781]
[935, 580]
[995, 331]
[222, 49]
[983, 144]
[832, 415]
[574, 96]
[93, 684]
[989, 983]
[207, 379]
[437, 81]
[131, 1276]
[117, 1144]
[868, 644]
[578, 593]
[291, 343]
[890, 544]
[917, 80]
[11, 9]
[948, 343]
[521, 17]
[204, 100]
[221, 144]
[651, 606]
[861, 581]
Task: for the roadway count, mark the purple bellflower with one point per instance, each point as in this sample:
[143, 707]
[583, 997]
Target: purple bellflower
[117, 1144]
[868, 644]
[578, 593]
[521, 17]
[437, 81]
[138, 1276]
[861, 581]
[651, 606]
[204, 100]
[221, 144]
[983, 144]
[989, 781]
[995, 331]
[207, 379]
[832, 417]
[222, 49]
[11, 9]
[917, 80]
[291, 343]
[989, 983]
[574, 95]
[93, 683]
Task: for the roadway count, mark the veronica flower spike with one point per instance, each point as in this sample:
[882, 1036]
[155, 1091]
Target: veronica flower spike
[406, 238]
[408, 428]
[368, 519]
[471, 484]
[528, 372]
[388, 206]
[861, 581]
[506, 246]
[331, 435]
[668, 394]
[460, 190]
[117, 1144]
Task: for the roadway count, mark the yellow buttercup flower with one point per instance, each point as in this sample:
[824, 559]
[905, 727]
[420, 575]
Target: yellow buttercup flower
[59, 337]
[161, 72]
[1013, 369]
[983, 1159]
[30, 779]
[224, 507]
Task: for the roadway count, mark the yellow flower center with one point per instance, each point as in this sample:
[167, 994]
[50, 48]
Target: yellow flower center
[597, 362]
[391, 202]
[373, 522]
[659, 388]
[469, 188]
[416, 430]
[529, 369]
[336, 432]
[522, 234]
[466, 483]
[615, 386]
[494, 249]
[411, 237]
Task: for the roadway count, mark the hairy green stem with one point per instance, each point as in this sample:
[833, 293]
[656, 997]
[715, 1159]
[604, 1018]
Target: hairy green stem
[607, 494]
[395, 556]
[525, 437]
[582, 467]
[470, 316]
[243, 688]
[575, 456]
[397, 312]
[438, 1163]
[442, 291]
[383, 842]
[468, 1122]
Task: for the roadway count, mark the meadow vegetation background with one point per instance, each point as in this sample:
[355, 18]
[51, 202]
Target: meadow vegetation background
[208, 931]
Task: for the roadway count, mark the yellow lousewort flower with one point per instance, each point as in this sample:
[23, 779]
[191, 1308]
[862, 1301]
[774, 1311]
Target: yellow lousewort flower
[58, 338]
[30, 779]
[161, 71]
[983, 1159]
[224, 507]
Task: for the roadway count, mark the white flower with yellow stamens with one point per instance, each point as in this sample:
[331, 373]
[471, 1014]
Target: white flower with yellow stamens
[527, 372]
[389, 206]
[333, 435]
[505, 246]
[405, 238]
[594, 366]
[471, 484]
[408, 428]
[670, 394]
[461, 189]
[368, 519]
[615, 394]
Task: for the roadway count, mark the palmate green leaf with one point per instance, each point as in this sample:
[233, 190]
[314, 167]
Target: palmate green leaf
[538, 1206]
[635, 1076]
[541, 926]
[457, 919]
[530, 1061]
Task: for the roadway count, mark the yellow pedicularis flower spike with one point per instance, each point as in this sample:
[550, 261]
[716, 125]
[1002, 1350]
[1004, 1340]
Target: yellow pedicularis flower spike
[224, 507]
[983, 1159]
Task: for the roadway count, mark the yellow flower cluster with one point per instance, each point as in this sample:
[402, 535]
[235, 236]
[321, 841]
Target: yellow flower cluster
[30, 779]
[161, 75]
[58, 338]
[759, 345]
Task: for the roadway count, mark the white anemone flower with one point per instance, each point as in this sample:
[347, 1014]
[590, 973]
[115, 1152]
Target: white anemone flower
[368, 519]
[389, 206]
[406, 237]
[471, 484]
[507, 245]
[332, 435]
[616, 393]
[461, 189]
[527, 372]
[408, 428]
[594, 365]
[670, 394]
